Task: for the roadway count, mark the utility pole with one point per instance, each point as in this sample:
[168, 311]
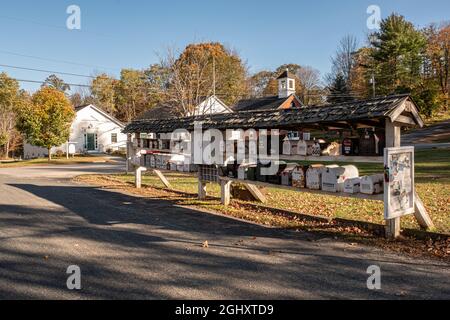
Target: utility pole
[214, 76]
[372, 81]
[214, 83]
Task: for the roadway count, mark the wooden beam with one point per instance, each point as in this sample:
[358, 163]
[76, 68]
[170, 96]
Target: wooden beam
[369, 123]
[162, 178]
[421, 214]
[373, 197]
[256, 193]
[402, 120]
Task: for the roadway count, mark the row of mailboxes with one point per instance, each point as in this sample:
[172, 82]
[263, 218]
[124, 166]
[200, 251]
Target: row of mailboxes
[368, 144]
[331, 178]
[167, 162]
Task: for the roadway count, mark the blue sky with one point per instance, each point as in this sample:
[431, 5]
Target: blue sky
[117, 33]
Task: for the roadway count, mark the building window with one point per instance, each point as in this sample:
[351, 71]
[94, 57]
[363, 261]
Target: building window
[113, 137]
[283, 84]
[291, 84]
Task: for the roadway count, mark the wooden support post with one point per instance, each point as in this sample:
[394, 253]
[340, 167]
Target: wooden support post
[393, 134]
[393, 228]
[201, 189]
[163, 178]
[421, 214]
[138, 176]
[256, 193]
[225, 192]
[129, 165]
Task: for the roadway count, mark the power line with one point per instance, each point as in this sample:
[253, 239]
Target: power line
[55, 60]
[47, 71]
[42, 82]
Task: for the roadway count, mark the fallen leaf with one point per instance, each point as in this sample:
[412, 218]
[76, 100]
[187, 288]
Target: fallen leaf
[205, 244]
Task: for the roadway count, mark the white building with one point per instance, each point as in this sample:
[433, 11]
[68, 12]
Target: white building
[212, 105]
[92, 131]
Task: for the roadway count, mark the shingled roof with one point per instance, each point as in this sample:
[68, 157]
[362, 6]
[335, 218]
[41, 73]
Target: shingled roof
[355, 111]
[264, 103]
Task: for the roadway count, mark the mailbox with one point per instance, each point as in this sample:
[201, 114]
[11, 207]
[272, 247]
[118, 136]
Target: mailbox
[372, 184]
[286, 175]
[333, 177]
[290, 147]
[368, 144]
[350, 147]
[275, 178]
[352, 185]
[299, 177]
[314, 177]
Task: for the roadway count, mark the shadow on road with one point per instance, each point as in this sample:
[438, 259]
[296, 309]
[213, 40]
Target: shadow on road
[151, 248]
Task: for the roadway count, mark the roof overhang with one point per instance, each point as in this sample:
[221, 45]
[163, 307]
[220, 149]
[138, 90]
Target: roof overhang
[406, 114]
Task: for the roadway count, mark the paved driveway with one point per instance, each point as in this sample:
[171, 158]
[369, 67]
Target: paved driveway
[129, 248]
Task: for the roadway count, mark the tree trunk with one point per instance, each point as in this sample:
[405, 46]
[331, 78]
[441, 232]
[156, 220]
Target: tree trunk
[49, 154]
[7, 149]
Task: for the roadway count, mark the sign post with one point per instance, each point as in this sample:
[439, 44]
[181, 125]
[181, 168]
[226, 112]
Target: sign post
[399, 191]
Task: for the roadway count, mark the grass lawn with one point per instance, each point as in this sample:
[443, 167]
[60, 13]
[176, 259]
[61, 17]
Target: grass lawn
[432, 183]
[55, 160]
[438, 117]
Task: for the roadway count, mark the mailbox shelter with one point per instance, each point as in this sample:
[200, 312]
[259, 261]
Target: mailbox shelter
[382, 116]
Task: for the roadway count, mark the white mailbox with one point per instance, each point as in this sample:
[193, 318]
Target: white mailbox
[352, 185]
[333, 178]
[372, 184]
[314, 177]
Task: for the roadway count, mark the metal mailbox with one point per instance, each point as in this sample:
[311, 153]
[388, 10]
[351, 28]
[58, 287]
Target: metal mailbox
[314, 177]
[286, 175]
[352, 185]
[333, 178]
[372, 184]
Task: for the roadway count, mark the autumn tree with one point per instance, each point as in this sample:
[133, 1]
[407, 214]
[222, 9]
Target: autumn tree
[202, 70]
[103, 91]
[362, 72]
[157, 82]
[259, 82]
[46, 121]
[9, 100]
[54, 82]
[438, 54]
[131, 93]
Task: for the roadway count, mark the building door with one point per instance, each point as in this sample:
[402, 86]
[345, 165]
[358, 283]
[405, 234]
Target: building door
[91, 141]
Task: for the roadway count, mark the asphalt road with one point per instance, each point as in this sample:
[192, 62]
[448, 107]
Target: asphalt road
[429, 137]
[135, 248]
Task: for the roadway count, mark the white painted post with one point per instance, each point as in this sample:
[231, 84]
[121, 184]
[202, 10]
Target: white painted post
[138, 176]
[393, 134]
[225, 192]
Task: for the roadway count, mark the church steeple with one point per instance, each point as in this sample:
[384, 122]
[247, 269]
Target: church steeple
[286, 84]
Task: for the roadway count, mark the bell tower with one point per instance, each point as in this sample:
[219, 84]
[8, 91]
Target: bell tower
[286, 84]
